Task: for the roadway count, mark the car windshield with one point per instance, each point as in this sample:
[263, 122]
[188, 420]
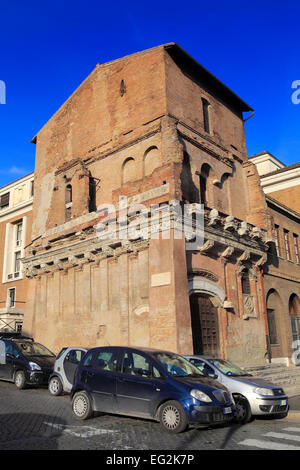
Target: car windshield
[34, 349]
[177, 366]
[228, 368]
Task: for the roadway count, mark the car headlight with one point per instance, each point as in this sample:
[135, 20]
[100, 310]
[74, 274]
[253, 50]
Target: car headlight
[201, 396]
[34, 366]
[264, 391]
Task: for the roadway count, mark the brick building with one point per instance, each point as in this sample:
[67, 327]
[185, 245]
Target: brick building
[154, 127]
[15, 233]
[281, 185]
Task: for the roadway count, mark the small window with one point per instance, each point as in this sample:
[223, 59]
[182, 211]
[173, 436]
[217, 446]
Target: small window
[17, 261]
[32, 188]
[277, 240]
[4, 201]
[287, 244]
[296, 247]
[246, 289]
[69, 195]
[19, 229]
[11, 298]
[205, 107]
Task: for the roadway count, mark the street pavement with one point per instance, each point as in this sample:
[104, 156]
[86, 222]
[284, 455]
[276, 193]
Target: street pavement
[32, 419]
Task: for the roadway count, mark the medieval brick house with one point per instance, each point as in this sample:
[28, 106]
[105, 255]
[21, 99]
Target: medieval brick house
[154, 127]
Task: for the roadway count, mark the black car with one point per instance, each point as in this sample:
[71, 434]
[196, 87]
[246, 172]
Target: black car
[24, 361]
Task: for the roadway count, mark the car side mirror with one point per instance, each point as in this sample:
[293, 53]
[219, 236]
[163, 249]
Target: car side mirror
[213, 376]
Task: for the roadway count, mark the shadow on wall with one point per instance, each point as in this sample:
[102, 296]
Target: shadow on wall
[30, 431]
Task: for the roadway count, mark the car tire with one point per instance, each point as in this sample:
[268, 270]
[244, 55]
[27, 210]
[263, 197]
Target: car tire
[81, 406]
[242, 413]
[55, 386]
[172, 417]
[20, 380]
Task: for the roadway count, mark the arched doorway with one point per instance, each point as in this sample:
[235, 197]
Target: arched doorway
[274, 312]
[294, 311]
[205, 327]
[205, 297]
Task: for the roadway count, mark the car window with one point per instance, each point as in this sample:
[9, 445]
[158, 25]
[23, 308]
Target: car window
[34, 349]
[177, 365]
[106, 360]
[205, 368]
[88, 359]
[60, 353]
[136, 364]
[156, 373]
[75, 356]
[12, 350]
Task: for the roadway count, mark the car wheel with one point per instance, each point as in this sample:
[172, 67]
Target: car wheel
[20, 381]
[172, 417]
[81, 406]
[242, 412]
[55, 386]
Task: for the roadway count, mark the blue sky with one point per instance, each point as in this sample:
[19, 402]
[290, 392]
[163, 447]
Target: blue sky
[48, 48]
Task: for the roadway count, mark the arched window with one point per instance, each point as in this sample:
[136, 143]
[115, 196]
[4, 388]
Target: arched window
[205, 183]
[294, 310]
[205, 108]
[68, 196]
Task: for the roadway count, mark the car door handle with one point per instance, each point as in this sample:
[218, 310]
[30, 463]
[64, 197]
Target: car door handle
[90, 374]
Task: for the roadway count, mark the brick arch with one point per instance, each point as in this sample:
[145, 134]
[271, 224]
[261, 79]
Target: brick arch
[151, 160]
[128, 170]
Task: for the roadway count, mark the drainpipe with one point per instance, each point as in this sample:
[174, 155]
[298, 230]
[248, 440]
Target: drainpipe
[269, 355]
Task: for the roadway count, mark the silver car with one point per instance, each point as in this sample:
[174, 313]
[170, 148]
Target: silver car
[252, 395]
[61, 380]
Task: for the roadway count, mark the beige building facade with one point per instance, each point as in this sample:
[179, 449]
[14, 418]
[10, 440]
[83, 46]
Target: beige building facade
[281, 185]
[16, 200]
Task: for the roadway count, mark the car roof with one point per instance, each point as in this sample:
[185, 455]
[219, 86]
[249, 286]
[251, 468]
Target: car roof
[135, 348]
[200, 356]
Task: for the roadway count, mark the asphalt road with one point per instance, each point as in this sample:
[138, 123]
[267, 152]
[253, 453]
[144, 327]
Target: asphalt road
[32, 419]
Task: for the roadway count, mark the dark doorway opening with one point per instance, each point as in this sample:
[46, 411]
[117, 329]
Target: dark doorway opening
[205, 328]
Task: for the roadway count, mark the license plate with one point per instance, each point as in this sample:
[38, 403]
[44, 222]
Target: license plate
[227, 410]
[282, 402]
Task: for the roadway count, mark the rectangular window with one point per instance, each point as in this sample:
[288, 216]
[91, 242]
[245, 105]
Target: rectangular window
[287, 244]
[277, 240]
[4, 201]
[296, 247]
[19, 228]
[11, 298]
[32, 188]
[17, 261]
[205, 106]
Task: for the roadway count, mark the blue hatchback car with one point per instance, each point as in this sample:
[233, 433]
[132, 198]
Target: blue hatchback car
[148, 383]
